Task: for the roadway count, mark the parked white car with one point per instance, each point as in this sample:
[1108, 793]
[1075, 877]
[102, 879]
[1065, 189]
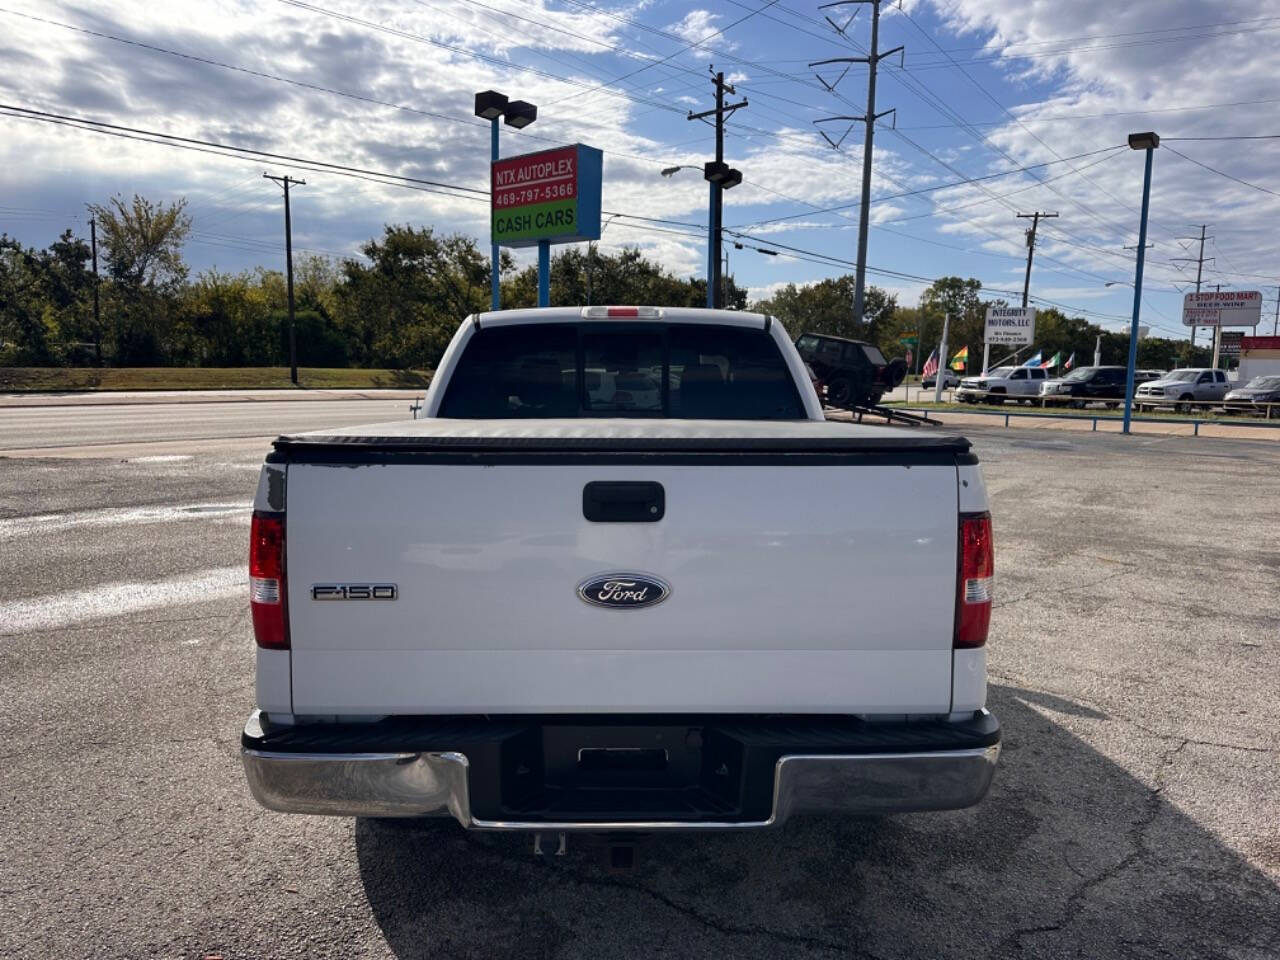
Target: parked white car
[1003, 383]
[539, 608]
[950, 380]
[1185, 389]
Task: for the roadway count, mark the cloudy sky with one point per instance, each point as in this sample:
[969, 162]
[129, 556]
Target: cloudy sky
[985, 89]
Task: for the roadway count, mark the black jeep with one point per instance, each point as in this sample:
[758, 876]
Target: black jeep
[855, 372]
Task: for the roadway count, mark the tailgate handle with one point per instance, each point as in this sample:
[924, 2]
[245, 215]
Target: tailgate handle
[608, 501]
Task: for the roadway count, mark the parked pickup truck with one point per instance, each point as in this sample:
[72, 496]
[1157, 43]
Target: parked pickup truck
[1002, 383]
[542, 607]
[1186, 389]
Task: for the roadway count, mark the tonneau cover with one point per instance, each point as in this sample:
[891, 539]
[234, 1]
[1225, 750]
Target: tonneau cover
[585, 435]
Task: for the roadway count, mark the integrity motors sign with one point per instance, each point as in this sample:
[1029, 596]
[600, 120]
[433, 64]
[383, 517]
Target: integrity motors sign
[552, 195]
[1010, 326]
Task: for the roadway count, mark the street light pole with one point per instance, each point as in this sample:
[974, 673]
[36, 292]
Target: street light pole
[494, 106]
[1147, 142]
[495, 281]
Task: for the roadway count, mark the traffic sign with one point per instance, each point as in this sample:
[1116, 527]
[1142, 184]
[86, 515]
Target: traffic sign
[1010, 326]
[908, 341]
[552, 195]
[1222, 308]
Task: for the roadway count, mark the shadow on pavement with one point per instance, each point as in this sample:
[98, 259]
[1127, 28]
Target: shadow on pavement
[1070, 855]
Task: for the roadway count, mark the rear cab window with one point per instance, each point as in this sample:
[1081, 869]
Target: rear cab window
[688, 371]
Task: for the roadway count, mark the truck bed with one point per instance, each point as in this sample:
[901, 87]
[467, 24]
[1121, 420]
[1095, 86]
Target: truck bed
[789, 591]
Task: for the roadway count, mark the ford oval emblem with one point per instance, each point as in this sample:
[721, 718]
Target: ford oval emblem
[623, 590]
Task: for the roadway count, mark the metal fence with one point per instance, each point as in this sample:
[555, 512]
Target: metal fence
[1053, 413]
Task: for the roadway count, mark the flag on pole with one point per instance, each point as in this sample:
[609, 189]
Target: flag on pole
[1071, 361]
[1034, 361]
[1052, 361]
[930, 365]
[961, 359]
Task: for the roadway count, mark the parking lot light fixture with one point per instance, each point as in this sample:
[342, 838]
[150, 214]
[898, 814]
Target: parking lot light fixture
[490, 104]
[519, 114]
[1148, 142]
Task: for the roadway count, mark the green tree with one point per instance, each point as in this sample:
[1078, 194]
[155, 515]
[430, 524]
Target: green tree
[26, 329]
[401, 309]
[579, 277]
[142, 248]
[67, 282]
[827, 307]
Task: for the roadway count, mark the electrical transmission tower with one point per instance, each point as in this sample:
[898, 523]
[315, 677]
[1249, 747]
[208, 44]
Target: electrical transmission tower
[872, 60]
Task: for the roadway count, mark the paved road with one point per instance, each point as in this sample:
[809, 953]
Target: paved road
[1135, 813]
[178, 426]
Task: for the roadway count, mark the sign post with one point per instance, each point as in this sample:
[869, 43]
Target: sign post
[552, 196]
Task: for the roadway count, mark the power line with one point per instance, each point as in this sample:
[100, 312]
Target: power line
[687, 46]
[1057, 117]
[1222, 173]
[315, 87]
[194, 141]
[1115, 148]
[1255, 136]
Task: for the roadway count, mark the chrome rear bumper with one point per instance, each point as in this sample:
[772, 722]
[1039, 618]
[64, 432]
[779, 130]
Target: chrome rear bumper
[436, 784]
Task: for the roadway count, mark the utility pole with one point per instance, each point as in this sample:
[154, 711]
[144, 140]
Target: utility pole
[1031, 248]
[721, 177]
[1199, 262]
[1275, 324]
[872, 60]
[285, 181]
[97, 307]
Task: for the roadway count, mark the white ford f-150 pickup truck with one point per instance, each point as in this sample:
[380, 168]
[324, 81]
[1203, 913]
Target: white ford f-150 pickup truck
[551, 606]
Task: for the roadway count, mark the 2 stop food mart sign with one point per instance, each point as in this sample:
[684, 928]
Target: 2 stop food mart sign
[551, 196]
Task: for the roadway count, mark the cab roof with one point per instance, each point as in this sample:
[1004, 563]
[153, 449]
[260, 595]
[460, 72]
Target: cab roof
[622, 314]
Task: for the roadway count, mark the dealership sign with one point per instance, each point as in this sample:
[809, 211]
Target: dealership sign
[1010, 326]
[552, 195]
[1222, 308]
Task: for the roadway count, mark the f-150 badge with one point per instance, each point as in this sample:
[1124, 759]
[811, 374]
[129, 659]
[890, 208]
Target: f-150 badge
[623, 590]
[354, 591]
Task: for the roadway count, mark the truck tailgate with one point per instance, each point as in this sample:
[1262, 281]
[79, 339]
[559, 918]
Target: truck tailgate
[811, 570]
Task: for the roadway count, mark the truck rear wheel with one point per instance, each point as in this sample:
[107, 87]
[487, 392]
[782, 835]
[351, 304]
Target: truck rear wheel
[838, 392]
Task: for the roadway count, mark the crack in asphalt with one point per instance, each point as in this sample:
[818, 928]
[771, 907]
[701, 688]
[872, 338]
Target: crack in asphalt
[1112, 715]
[1057, 590]
[1075, 903]
[690, 913]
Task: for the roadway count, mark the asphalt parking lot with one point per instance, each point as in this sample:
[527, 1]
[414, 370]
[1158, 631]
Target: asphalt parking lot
[1134, 656]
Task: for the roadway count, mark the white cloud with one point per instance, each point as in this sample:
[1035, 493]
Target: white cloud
[696, 26]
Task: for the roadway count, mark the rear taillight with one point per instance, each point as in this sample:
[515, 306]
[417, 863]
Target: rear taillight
[267, 597]
[977, 577]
